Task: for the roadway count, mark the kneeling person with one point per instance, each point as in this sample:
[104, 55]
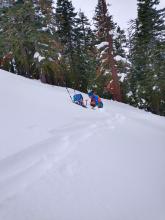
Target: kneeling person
[95, 100]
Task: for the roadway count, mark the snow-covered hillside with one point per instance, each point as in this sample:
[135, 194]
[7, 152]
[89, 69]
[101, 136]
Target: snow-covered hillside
[59, 161]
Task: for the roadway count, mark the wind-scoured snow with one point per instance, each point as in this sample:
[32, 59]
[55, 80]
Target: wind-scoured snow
[59, 161]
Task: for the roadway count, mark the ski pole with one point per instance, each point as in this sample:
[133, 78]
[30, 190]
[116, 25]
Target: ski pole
[69, 94]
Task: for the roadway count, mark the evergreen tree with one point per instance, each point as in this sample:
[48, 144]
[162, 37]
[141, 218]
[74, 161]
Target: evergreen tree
[147, 71]
[77, 39]
[16, 34]
[28, 33]
[107, 71]
[65, 20]
[84, 56]
[121, 58]
[48, 46]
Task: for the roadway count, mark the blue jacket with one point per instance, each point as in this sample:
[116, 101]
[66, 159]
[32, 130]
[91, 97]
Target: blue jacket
[95, 98]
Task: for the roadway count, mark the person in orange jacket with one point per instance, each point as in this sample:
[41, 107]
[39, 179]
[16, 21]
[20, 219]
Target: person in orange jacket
[95, 100]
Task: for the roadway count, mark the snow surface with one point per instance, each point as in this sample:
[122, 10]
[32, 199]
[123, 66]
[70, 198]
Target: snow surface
[122, 76]
[38, 56]
[119, 58]
[59, 161]
[102, 44]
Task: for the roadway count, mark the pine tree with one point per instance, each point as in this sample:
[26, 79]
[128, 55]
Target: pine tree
[16, 34]
[65, 20]
[146, 78]
[47, 46]
[85, 60]
[28, 33]
[107, 69]
[121, 58]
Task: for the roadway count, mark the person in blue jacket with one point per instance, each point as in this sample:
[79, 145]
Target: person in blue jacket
[95, 100]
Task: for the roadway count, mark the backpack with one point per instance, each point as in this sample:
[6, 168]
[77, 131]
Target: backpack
[100, 103]
[78, 98]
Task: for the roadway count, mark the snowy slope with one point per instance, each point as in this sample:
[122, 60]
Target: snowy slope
[59, 161]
